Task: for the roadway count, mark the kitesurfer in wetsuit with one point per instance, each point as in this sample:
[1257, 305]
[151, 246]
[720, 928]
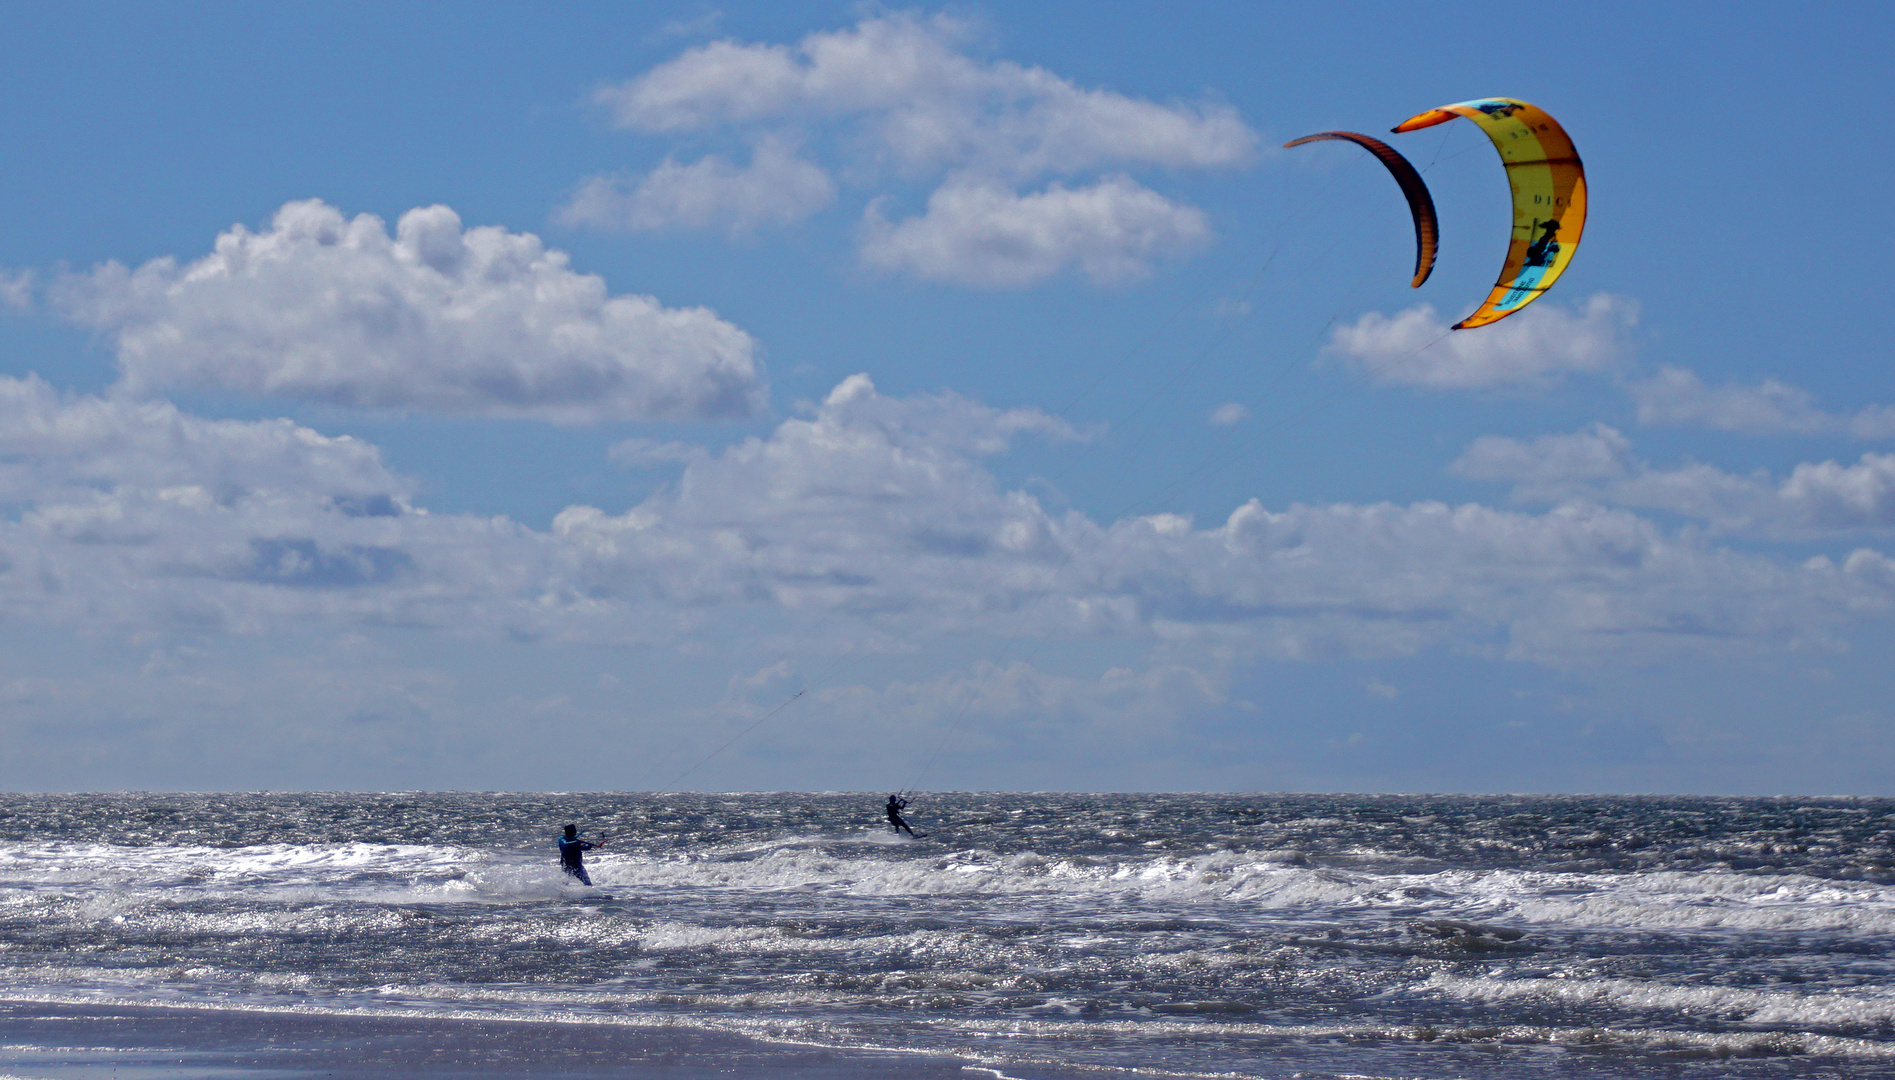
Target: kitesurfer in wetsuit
[896, 804]
[572, 851]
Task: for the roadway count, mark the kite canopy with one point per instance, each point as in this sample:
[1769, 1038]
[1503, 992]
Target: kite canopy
[1420, 204]
[1549, 198]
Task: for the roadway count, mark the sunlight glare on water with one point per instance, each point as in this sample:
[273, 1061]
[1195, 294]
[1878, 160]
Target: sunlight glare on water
[1248, 935]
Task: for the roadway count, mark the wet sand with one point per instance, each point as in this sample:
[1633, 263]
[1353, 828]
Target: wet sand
[92, 1042]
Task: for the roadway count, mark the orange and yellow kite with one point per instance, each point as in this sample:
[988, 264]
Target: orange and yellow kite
[1549, 197]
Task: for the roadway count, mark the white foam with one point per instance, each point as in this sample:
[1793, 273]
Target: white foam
[113, 881]
[1702, 900]
[1799, 1008]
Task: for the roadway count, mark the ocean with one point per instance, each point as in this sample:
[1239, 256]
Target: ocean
[1025, 936]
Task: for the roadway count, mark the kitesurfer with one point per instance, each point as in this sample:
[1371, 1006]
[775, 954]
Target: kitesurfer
[572, 851]
[896, 804]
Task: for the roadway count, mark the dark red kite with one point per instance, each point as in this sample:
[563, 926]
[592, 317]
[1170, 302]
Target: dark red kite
[1420, 203]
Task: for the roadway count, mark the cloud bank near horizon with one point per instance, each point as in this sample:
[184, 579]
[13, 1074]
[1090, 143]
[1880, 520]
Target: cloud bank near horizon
[877, 516]
[834, 552]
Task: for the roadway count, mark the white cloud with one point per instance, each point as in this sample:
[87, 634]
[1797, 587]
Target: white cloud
[1549, 464]
[1556, 587]
[871, 494]
[1678, 396]
[986, 235]
[57, 447]
[719, 83]
[868, 526]
[1596, 464]
[897, 99]
[776, 188]
[704, 23]
[865, 508]
[1531, 349]
[320, 307]
[1231, 412]
[1830, 495]
[16, 289]
[134, 514]
[926, 103]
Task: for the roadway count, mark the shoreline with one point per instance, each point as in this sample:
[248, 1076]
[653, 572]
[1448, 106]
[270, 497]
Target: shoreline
[93, 1041]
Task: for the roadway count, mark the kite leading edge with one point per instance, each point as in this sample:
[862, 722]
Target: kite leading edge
[1549, 197]
[1420, 204]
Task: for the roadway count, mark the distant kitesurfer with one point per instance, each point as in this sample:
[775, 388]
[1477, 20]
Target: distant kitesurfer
[896, 804]
[572, 851]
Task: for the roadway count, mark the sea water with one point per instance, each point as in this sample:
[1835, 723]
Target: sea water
[1254, 935]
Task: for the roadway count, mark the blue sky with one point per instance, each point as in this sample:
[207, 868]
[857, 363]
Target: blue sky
[505, 397]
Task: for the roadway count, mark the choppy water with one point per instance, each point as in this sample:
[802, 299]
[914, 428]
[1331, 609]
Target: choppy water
[1235, 935]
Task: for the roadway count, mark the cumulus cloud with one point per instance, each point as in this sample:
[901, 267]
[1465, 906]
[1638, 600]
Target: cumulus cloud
[1678, 396]
[1832, 495]
[864, 508]
[1532, 349]
[776, 188]
[54, 448]
[986, 235]
[482, 321]
[898, 98]
[136, 514]
[1597, 464]
[871, 494]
